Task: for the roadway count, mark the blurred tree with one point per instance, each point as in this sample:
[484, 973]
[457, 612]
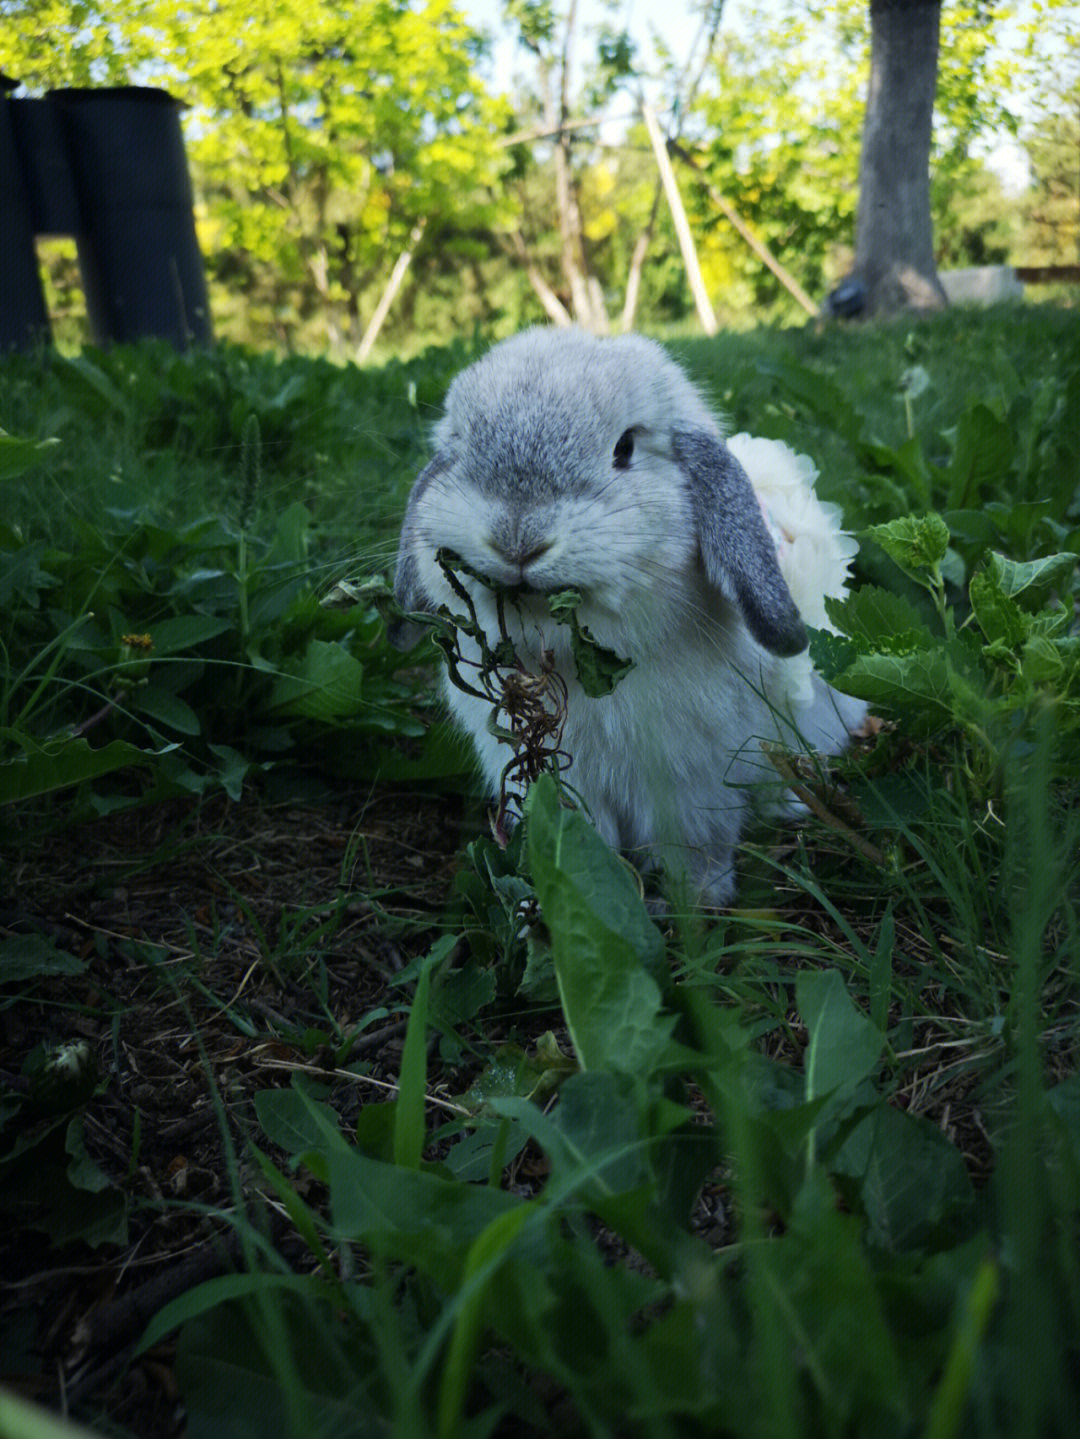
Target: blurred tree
[560, 121]
[48, 44]
[323, 136]
[894, 242]
[329, 136]
[1050, 209]
[778, 129]
[550, 39]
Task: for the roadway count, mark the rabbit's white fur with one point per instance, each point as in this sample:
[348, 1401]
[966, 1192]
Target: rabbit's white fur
[678, 573]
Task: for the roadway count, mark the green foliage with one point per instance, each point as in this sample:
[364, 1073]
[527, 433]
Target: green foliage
[779, 122]
[319, 136]
[873, 1260]
[165, 615]
[864, 1307]
[994, 684]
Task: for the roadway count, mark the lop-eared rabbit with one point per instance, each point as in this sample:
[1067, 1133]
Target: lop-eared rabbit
[564, 461]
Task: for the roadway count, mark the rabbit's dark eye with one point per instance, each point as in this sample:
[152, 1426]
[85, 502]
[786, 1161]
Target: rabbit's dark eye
[624, 450]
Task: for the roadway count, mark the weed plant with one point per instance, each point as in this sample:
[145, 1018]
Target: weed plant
[870, 1065]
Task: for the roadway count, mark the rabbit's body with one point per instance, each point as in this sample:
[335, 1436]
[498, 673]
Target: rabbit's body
[569, 462]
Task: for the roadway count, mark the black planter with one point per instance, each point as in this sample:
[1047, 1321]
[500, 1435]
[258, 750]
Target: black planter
[24, 321]
[108, 166]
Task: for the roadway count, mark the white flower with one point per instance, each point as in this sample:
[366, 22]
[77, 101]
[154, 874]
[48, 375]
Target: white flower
[813, 552]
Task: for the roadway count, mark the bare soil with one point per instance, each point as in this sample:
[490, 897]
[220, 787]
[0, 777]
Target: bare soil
[198, 988]
[205, 982]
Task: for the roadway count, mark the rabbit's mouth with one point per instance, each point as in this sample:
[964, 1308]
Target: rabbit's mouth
[545, 589]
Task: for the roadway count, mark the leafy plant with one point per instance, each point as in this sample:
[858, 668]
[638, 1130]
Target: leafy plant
[807, 1166]
[495, 1283]
[197, 651]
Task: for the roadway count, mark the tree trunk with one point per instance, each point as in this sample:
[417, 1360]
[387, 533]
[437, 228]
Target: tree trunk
[637, 262]
[894, 251]
[554, 308]
[683, 233]
[575, 266]
[393, 285]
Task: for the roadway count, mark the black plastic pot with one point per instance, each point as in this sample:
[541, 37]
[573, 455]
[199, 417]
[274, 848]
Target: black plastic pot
[24, 321]
[108, 166]
[142, 269]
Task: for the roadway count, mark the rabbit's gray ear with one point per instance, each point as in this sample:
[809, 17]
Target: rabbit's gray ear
[401, 634]
[736, 549]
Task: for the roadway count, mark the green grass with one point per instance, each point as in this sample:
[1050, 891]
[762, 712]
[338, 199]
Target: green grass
[872, 1060]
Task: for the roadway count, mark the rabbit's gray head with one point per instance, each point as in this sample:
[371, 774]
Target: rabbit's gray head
[568, 461]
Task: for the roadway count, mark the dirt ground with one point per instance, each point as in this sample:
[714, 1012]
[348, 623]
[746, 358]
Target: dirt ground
[205, 982]
[228, 895]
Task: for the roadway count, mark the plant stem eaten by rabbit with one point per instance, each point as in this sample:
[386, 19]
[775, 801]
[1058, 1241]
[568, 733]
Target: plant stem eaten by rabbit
[566, 461]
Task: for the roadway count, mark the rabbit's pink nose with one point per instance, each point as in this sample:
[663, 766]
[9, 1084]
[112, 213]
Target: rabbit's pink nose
[521, 553]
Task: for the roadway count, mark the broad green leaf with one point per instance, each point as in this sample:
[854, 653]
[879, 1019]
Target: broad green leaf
[292, 530]
[918, 685]
[482, 1155]
[1045, 661]
[874, 614]
[212, 1292]
[56, 1189]
[831, 654]
[601, 938]
[833, 1312]
[913, 1183]
[291, 1120]
[82, 1171]
[999, 617]
[81, 373]
[597, 1117]
[982, 454]
[462, 994]
[239, 1375]
[917, 543]
[17, 456]
[822, 395]
[231, 769]
[598, 669]
[53, 764]
[274, 599]
[23, 574]
[167, 709]
[511, 1071]
[30, 956]
[1030, 582]
[410, 1214]
[184, 632]
[843, 1045]
[326, 684]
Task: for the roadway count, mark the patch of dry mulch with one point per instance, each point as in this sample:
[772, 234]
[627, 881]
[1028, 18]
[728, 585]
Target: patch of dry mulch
[205, 970]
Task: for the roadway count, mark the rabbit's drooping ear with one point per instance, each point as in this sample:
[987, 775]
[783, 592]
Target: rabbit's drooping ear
[736, 549]
[401, 634]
